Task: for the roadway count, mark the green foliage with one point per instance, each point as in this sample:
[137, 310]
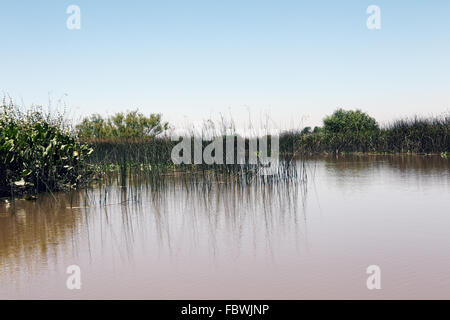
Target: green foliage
[306, 130]
[349, 130]
[150, 151]
[38, 153]
[349, 122]
[355, 131]
[424, 135]
[130, 125]
[317, 129]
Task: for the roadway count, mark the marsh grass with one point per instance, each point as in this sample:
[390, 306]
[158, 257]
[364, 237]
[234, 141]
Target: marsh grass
[418, 135]
[40, 152]
[151, 157]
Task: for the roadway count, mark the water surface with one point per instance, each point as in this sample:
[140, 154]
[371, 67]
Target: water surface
[222, 240]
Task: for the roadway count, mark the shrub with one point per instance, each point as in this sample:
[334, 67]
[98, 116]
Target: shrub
[38, 153]
[351, 121]
[350, 130]
[355, 131]
[130, 125]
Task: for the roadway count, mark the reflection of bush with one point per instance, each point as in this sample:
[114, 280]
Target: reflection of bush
[37, 230]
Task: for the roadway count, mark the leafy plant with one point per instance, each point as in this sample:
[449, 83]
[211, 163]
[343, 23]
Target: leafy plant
[38, 152]
[349, 122]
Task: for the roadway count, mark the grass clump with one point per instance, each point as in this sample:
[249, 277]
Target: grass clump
[417, 135]
[38, 152]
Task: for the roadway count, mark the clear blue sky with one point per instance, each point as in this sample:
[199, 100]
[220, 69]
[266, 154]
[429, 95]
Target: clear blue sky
[190, 59]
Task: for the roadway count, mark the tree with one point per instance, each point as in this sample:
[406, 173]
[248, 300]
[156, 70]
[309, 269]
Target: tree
[350, 131]
[130, 125]
[349, 122]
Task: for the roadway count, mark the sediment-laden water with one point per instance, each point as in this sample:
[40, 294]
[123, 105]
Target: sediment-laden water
[184, 238]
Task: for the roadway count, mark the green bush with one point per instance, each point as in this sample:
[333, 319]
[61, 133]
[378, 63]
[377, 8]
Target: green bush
[350, 131]
[355, 131]
[38, 153]
[349, 122]
[130, 125]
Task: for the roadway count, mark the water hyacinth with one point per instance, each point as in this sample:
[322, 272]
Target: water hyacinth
[38, 153]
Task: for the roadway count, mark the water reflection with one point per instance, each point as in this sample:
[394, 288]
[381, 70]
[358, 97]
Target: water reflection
[205, 224]
[35, 232]
[174, 216]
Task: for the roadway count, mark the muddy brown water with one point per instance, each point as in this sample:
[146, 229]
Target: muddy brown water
[222, 240]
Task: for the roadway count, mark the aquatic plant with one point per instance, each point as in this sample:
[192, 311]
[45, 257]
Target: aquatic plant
[38, 152]
[417, 135]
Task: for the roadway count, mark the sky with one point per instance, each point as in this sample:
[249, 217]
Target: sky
[291, 61]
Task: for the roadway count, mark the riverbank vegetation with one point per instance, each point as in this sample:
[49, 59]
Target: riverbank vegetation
[355, 131]
[139, 138]
[40, 152]
[130, 125]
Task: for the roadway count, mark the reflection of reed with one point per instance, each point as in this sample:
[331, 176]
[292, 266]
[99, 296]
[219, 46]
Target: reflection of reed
[182, 214]
[186, 211]
[165, 216]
